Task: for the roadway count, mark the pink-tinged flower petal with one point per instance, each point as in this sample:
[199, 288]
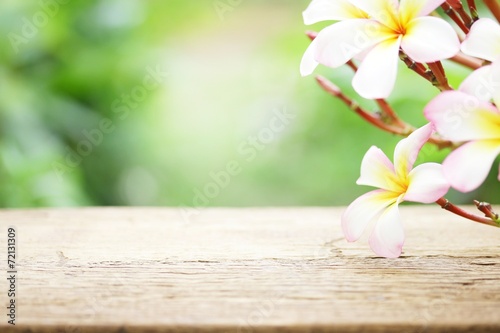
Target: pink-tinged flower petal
[388, 237]
[484, 83]
[483, 40]
[377, 73]
[378, 171]
[479, 84]
[340, 42]
[413, 8]
[325, 10]
[361, 56]
[309, 63]
[494, 83]
[384, 11]
[430, 39]
[427, 183]
[458, 116]
[406, 151]
[467, 167]
[362, 210]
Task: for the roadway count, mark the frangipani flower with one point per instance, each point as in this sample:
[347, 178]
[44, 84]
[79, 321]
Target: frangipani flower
[483, 41]
[458, 116]
[375, 30]
[397, 183]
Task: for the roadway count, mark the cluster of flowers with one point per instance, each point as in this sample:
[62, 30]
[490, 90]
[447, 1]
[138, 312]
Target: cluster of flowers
[371, 36]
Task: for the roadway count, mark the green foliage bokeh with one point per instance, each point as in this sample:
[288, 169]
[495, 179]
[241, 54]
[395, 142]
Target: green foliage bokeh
[231, 66]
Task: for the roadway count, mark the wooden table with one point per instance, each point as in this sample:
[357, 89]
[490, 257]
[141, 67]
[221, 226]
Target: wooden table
[246, 270]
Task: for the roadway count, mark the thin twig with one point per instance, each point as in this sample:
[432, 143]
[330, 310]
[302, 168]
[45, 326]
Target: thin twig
[404, 129]
[441, 144]
[352, 65]
[467, 61]
[445, 204]
[372, 118]
[453, 15]
[415, 66]
[494, 8]
[473, 10]
[487, 210]
[459, 8]
[388, 113]
[441, 82]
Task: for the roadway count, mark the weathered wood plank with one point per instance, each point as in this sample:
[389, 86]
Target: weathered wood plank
[262, 270]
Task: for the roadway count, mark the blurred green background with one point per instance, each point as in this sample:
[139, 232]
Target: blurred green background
[130, 102]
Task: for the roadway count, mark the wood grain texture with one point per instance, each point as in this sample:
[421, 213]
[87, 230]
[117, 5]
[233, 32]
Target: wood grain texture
[247, 270]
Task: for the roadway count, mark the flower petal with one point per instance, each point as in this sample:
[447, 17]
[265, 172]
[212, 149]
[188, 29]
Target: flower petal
[409, 9]
[340, 42]
[484, 83]
[494, 83]
[483, 40]
[378, 171]
[325, 10]
[427, 183]
[458, 116]
[384, 11]
[309, 63]
[362, 210]
[406, 151]
[479, 84]
[388, 237]
[361, 56]
[377, 73]
[467, 167]
[430, 39]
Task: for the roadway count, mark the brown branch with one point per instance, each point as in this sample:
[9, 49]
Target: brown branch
[467, 61]
[445, 204]
[404, 129]
[415, 66]
[372, 118]
[352, 65]
[453, 15]
[487, 210]
[388, 113]
[494, 8]
[473, 10]
[441, 144]
[459, 8]
[441, 82]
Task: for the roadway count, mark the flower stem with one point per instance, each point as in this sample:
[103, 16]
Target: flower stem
[459, 8]
[415, 66]
[352, 65]
[487, 210]
[473, 10]
[441, 144]
[439, 80]
[467, 61]
[494, 8]
[373, 119]
[402, 129]
[445, 204]
[311, 34]
[388, 112]
[453, 15]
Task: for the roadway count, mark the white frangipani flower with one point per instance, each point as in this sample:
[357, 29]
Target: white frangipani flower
[376, 31]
